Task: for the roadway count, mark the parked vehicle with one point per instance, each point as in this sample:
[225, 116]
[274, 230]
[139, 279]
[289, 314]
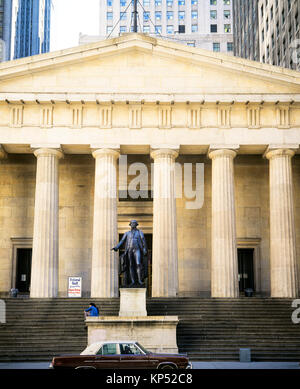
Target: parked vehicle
[120, 355]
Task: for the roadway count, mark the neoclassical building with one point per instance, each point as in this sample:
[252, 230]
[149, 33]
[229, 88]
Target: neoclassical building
[68, 119]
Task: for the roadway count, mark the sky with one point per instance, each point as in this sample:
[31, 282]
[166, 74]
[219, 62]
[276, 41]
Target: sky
[69, 18]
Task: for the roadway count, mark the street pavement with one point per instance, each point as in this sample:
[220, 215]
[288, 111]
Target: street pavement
[196, 365]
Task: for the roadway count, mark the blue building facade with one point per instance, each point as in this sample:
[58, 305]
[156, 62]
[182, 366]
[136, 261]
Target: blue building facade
[5, 29]
[32, 30]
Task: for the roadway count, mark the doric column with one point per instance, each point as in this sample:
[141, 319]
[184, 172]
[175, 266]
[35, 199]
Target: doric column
[224, 264]
[164, 255]
[105, 231]
[282, 227]
[44, 273]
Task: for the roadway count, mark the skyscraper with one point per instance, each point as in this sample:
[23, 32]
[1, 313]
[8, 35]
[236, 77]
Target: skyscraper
[268, 31]
[202, 23]
[31, 27]
[5, 29]
[245, 29]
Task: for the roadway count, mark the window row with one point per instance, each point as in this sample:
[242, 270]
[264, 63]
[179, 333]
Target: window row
[217, 46]
[170, 15]
[170, 29]
[158, 3]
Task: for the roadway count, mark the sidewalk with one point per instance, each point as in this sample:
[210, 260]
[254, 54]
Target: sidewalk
[196, 365]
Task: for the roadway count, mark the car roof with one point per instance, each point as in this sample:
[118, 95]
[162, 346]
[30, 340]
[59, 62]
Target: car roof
[113, 341]
[94, 347]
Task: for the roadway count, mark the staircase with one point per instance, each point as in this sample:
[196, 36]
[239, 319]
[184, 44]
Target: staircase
[209, 329]
[215, 329]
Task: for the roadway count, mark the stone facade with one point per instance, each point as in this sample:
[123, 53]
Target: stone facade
[157, 103]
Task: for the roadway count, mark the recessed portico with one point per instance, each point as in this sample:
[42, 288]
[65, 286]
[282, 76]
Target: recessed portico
[188, 107]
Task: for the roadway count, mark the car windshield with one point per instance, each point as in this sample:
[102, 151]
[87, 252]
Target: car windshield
[142, 348]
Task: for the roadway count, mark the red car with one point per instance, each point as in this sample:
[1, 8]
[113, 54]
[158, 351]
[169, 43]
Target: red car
[120, 355]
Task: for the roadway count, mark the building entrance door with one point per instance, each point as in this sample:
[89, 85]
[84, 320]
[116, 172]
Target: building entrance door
[246, 269]
[148, 280]
[23, 269]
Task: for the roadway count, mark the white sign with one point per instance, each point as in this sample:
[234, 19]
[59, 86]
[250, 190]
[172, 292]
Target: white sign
[74, 287]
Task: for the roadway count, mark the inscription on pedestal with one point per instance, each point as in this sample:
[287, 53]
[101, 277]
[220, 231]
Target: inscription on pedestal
[132, 302]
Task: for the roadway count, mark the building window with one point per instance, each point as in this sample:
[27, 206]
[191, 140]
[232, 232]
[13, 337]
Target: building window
[123, 15]
[226, 2]
[170, 15]
[213, 14]
[158, 30]
[213, 2]
[146, 3]
[122, 3]
[109, 3]
[109, 15]
[169, 3]
[122, 29]
[181, 2]
[108, 30]
[216, 46]
[194, 2]
[146, 29]
[227, 14]
[229, 46]
[181, 29]
[170, 29]
[146, 16]
[213, 28]
[283, 17]
[194, 27]
[194, 15]
[157, 3]
[227, 28]
[158, 16]
[181, 15]
[191, 44]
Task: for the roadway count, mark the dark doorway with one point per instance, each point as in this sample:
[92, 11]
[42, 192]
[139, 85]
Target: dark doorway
[246, 269]
[23, 269]
[148, 281]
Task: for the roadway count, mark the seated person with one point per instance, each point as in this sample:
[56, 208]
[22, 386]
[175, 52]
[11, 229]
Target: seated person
[91, 311]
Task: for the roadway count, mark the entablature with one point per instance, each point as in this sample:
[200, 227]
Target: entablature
[138, 112]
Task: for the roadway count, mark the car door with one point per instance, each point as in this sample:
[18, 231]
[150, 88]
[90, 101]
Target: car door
[108, 357]
[132, 357]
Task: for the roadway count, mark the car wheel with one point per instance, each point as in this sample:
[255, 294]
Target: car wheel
[168, 366]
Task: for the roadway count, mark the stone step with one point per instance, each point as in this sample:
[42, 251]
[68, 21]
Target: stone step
[209, 329]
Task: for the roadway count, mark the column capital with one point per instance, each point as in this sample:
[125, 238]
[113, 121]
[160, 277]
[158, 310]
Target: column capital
[217, 153]
[164, 152]
[45, 152]
[102, 152]
[273, 153]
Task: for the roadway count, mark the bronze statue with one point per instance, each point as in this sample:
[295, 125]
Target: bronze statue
[133, 263]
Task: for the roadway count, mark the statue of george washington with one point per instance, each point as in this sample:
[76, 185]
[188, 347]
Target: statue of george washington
[133, 263]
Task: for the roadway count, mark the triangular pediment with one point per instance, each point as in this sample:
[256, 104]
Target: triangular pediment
[136, 63]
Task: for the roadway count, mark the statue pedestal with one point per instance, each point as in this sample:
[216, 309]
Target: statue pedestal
[155, 333]
[133, 302]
